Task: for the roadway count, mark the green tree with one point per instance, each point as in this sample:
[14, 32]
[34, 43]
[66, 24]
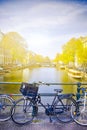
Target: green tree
[71, 49]
[16, 45]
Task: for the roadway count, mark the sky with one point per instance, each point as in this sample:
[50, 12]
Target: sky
[46, 25]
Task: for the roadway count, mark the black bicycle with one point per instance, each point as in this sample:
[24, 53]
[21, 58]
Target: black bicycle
[26, 108]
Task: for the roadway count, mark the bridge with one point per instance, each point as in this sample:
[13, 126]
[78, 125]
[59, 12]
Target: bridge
[41, 121]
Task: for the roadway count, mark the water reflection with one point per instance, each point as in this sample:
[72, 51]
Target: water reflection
[50, 75]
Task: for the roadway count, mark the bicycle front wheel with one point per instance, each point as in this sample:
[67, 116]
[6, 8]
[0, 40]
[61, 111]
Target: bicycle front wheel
[80, 114]
[22, 112]
[63, 109]
[6, 104]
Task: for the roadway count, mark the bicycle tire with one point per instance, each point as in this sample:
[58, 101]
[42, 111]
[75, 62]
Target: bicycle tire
[64, 111]
[79, 115]
[22, 112]
[6, 103]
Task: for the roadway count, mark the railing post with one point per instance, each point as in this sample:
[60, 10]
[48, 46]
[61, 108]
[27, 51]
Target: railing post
[78, 90]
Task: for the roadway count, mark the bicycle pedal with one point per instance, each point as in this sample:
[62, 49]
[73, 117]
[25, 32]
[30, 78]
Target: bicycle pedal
[76, 113]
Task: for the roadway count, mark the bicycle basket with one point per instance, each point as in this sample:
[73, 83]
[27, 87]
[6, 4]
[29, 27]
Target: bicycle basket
[28, 89]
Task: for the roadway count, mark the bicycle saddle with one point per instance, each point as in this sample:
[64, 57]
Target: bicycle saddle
[58, 90]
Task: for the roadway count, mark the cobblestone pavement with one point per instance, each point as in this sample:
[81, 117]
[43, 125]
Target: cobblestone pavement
[41, 123]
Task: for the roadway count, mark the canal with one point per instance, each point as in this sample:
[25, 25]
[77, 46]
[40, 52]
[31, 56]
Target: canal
[44, 74]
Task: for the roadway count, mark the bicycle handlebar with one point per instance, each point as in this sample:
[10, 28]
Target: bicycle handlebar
[41, 83]
[44, 83]
[83, 89]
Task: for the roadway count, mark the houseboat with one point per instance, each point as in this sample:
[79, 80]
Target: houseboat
[75, 74]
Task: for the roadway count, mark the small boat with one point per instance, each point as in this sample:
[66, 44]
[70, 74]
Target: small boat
[62, 67]
[75, 74]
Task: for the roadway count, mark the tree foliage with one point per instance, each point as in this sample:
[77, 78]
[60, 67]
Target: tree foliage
[15, 44]
[75, 50]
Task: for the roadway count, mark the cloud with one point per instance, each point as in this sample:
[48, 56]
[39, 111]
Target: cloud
[47, 21]
[45, 15]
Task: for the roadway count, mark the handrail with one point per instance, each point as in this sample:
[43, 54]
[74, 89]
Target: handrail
[75, 83]
[10, 83]
[41, 94]
[51, 94]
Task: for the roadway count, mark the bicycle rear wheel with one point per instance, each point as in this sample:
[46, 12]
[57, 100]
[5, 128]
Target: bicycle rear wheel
[63, 110]
[6, 104]
[22, 112]
[80, 114]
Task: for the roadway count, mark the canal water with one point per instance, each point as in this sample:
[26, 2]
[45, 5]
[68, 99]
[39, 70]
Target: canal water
[44, 74]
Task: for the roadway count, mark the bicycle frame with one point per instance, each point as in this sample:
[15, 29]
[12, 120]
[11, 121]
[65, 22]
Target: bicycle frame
[49, 108]
[84, 103]
[80, 114]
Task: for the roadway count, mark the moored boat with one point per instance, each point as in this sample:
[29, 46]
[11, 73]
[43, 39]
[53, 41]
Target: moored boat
[62, 67]
[75, 74]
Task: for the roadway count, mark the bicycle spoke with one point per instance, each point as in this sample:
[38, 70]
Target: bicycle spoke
[5, 108]
[22, 112]
[65, 108]
[80, 115]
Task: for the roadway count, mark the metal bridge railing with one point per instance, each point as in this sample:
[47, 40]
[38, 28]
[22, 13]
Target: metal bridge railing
[79, 84]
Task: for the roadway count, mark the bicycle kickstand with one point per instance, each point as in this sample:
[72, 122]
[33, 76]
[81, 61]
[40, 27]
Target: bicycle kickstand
[50, 119]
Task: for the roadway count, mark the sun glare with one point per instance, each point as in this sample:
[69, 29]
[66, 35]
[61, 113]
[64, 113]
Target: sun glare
[38, 40]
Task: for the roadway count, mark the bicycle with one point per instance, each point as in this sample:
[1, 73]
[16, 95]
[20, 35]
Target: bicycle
[79, 114]
[26, 108]
[6, 103]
